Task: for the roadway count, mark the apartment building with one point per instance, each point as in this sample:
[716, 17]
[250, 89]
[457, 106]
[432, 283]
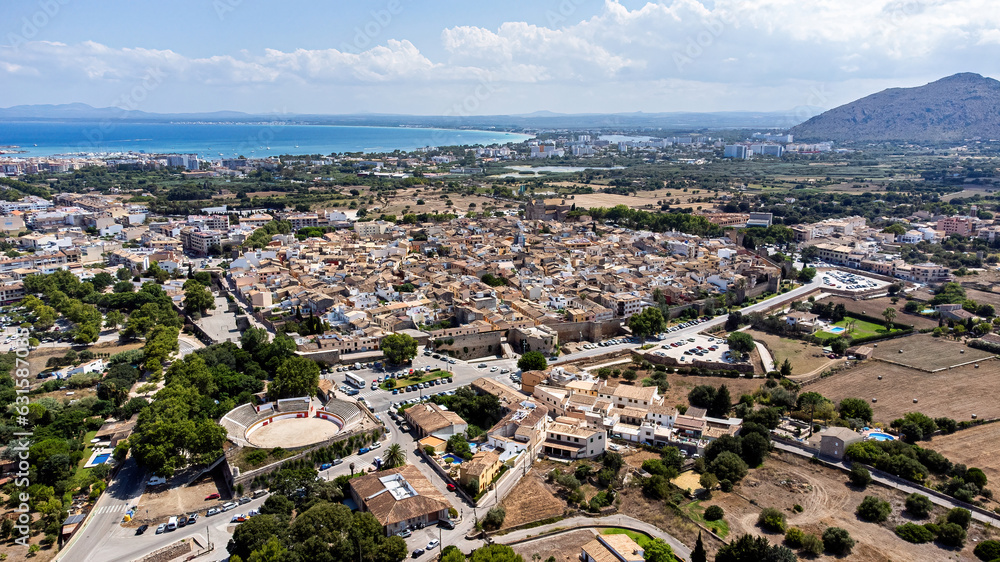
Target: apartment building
[568, 439]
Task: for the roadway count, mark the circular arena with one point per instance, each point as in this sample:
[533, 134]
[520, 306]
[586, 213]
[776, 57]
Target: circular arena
[289, 423]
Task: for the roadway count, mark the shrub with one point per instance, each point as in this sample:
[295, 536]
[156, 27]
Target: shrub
[859, 476]
[771, 519]
[713, 513]
[960, 516]
[987, 550]
[837, 541]
[951, 534]
[911, 532]
[918, 505]
[797, 508]
[794, 536]
[812, 545]
[726, 485]
[874, 509]
[494, 517]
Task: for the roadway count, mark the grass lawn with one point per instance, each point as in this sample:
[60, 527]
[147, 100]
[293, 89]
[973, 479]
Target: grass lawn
[641, 539]
[696, 512]
[422, 377]
[862, 329]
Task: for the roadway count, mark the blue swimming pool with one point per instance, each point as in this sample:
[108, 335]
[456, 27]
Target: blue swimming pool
[452, 459]
[881, 436]
[836, 330]
[101, 459]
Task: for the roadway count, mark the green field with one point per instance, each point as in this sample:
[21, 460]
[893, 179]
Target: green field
[696, 512]
[862, 329]
[416, 378]
[641, 539]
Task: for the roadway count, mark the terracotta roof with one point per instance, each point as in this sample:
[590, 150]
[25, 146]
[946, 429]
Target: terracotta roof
[377, 499]
[430, 417]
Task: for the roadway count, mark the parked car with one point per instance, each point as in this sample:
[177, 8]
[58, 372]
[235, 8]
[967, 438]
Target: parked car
[432, 545]
[337, 461]
[418, 552]
[481, 366]
[363, 450]
[161, 528]
[211, 512]
[405, 533]
[451, 487]
[325, 466]
[229, 506]
[141, 529]
[192, 519]
[214, 496]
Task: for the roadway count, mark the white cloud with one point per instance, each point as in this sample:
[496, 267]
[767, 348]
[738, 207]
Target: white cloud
[661, 56]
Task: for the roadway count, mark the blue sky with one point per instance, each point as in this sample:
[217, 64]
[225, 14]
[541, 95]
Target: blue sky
[447, 57]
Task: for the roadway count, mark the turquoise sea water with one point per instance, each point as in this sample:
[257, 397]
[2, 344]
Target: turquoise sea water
[214, 140]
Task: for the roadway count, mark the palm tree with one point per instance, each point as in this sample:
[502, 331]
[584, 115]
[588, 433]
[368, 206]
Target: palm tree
[352, 469]
[394, 456]
[889, 314]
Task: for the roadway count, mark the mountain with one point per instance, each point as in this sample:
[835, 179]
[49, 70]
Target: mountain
[954, 108]
[535, 120]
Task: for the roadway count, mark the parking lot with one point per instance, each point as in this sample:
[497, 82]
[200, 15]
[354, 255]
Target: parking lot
[696, 346]
[847, 281]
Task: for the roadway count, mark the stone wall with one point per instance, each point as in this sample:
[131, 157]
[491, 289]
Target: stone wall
[472, 346]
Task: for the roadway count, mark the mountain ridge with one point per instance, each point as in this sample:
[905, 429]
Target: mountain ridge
[954, 108]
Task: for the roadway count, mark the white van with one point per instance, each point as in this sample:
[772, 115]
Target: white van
[171, 523]
[156, 481]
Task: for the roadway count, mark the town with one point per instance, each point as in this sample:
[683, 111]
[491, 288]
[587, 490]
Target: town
[459, 349]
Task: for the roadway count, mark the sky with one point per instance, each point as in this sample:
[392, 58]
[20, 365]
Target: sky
[466, 57]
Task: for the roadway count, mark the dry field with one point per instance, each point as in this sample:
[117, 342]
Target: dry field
[971, 447]
[927, 353]
[681, 385]
[828, 501]
[874, 307]
[564, 547]
[159, 503]
[531, 500]
[804, 357]
[955, 393]
[640, 199]
[983, 297]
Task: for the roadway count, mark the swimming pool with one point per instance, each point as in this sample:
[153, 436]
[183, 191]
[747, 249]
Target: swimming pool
[836, 330]
[452, 459]
[880, 436]
[101, 459]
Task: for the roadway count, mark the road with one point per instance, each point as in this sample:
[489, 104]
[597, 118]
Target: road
[103, 539]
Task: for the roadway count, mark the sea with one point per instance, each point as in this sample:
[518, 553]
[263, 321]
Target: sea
[227, 140]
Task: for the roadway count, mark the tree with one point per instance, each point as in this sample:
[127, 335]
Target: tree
[889, 314]
[741, 342]
[840, 345]
[699, 554]
[296, 376]
[755, 448]
[399, 348]
[874, 509]
[728, 466]
[855, 408]
[734, 320]
[197, 298]
[702, 396]
[919, 505]
[810, 401]
[254, 534]
[714, 513]
[859, 476]
[648, 322]
[786, 368]
[393, 457]
[748, 548]
[494, 517]
[837, 541]
[721, 403]
[532, 361]
[771, 519]
[952, 534]
[658, 550]
[708, 481]
[807, 274]
[960, 516]
[987, 550]
[113, 319]
[495, 553]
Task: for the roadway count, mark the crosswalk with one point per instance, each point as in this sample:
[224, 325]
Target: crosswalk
[120, 508]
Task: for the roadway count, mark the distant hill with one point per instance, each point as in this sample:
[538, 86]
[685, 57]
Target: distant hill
[958, 107]
[536, 120]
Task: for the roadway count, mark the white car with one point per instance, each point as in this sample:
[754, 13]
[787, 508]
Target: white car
[432, 545]
[493, 369]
